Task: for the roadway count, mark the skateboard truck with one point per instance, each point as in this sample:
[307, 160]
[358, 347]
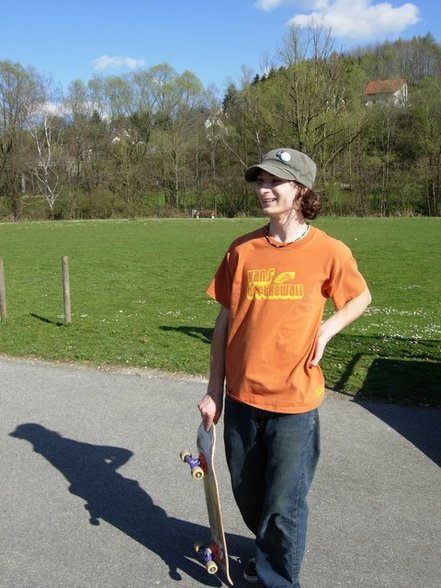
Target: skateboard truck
[197, 464]
[209, 555]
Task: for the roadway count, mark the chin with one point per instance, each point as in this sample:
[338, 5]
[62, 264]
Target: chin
[271, 210]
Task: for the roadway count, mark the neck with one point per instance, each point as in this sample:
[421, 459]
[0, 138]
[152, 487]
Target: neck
[288, 228]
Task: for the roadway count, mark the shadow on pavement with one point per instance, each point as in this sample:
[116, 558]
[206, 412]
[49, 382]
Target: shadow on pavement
[418, 424]
[109, 496]
[403, 391]
[405, 371]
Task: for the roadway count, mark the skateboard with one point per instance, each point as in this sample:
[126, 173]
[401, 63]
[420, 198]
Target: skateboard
[202, 468]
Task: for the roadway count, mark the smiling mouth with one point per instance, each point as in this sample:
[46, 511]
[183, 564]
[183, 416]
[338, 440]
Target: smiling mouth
[268, 200]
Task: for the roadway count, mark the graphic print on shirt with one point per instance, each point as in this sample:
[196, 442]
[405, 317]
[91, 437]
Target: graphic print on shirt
[264, 284]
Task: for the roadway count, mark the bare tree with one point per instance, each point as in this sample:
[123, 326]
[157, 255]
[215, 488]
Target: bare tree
[45, 166]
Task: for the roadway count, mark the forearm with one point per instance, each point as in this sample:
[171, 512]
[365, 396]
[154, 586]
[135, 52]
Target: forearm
[346, 315]
[211, 404]
[217, 355]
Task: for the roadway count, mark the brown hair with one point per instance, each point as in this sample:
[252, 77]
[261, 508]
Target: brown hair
[309, 201]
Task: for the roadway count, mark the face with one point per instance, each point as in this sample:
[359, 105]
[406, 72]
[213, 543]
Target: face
[276, 196]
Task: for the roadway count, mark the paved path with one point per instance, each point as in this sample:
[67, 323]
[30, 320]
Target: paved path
[93, 494]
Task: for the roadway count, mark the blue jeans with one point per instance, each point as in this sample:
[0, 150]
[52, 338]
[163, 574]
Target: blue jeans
[272, 459]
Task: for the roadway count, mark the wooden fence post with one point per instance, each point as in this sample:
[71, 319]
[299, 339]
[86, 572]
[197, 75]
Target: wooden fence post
[3, 308]
[66, 290]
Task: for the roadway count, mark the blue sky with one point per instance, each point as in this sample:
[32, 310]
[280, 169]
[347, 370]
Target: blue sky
[212, 38]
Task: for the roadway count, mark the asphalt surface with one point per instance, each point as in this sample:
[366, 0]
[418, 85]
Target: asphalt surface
[93, 494]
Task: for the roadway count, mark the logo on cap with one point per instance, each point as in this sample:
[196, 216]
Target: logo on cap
[283, 156]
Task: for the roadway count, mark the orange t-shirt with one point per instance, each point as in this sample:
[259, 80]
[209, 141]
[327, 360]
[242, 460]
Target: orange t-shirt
[275, 295]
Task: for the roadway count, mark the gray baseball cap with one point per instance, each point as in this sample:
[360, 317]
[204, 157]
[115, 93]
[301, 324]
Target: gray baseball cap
[287, 164]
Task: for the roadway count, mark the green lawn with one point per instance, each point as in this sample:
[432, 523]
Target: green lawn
[138, 298]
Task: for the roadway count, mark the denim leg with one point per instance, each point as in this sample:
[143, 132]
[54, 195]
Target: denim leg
[272, 460]
[246, 458]
[293, 447]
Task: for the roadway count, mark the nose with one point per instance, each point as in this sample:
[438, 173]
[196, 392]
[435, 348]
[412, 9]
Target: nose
[264, 186]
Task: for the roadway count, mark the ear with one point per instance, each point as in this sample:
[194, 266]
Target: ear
[298, 194]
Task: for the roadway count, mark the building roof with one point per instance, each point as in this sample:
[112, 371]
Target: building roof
[384, 86]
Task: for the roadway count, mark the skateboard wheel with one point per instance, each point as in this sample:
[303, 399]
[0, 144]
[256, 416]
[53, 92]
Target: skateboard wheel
[184, 454]
[197, 473]
[197, 547]
[211, 567]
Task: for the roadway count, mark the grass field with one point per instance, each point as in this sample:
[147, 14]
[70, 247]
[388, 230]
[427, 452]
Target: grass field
[138, 298]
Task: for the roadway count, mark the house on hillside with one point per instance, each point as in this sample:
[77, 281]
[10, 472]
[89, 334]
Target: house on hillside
[392, 92]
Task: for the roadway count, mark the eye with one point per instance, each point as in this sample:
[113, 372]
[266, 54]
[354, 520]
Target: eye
[269, 180]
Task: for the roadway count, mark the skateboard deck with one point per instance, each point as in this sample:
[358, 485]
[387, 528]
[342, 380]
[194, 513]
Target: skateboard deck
[202, 467]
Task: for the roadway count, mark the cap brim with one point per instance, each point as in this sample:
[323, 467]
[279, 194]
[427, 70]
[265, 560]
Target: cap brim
[272, 168]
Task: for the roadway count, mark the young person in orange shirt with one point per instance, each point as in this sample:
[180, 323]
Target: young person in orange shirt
[268, 340]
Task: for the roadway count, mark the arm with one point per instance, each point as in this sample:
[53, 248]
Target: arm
[338, 321]
[210, 406]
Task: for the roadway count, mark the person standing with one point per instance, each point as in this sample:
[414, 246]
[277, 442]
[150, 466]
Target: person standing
[268, 340]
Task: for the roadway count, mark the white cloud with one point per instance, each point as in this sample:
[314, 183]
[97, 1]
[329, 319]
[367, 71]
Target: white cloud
[350, 19]
[268, 4]
[360, 19]
[106, 62]
[307, 4]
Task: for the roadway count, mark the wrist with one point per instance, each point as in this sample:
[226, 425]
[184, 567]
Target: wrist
[215, 393]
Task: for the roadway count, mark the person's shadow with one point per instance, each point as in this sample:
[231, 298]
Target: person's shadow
[92, 473]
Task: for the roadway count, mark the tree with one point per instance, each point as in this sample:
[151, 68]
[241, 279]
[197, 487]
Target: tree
[425, 108]
[87, 139]
[48, 161]
[308, 103]
[22, 91]
[178, 100]
[413, 59]
[117, 144]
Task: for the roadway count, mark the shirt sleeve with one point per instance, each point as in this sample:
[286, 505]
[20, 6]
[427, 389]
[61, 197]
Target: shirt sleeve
[346, 283]
[220, 286]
